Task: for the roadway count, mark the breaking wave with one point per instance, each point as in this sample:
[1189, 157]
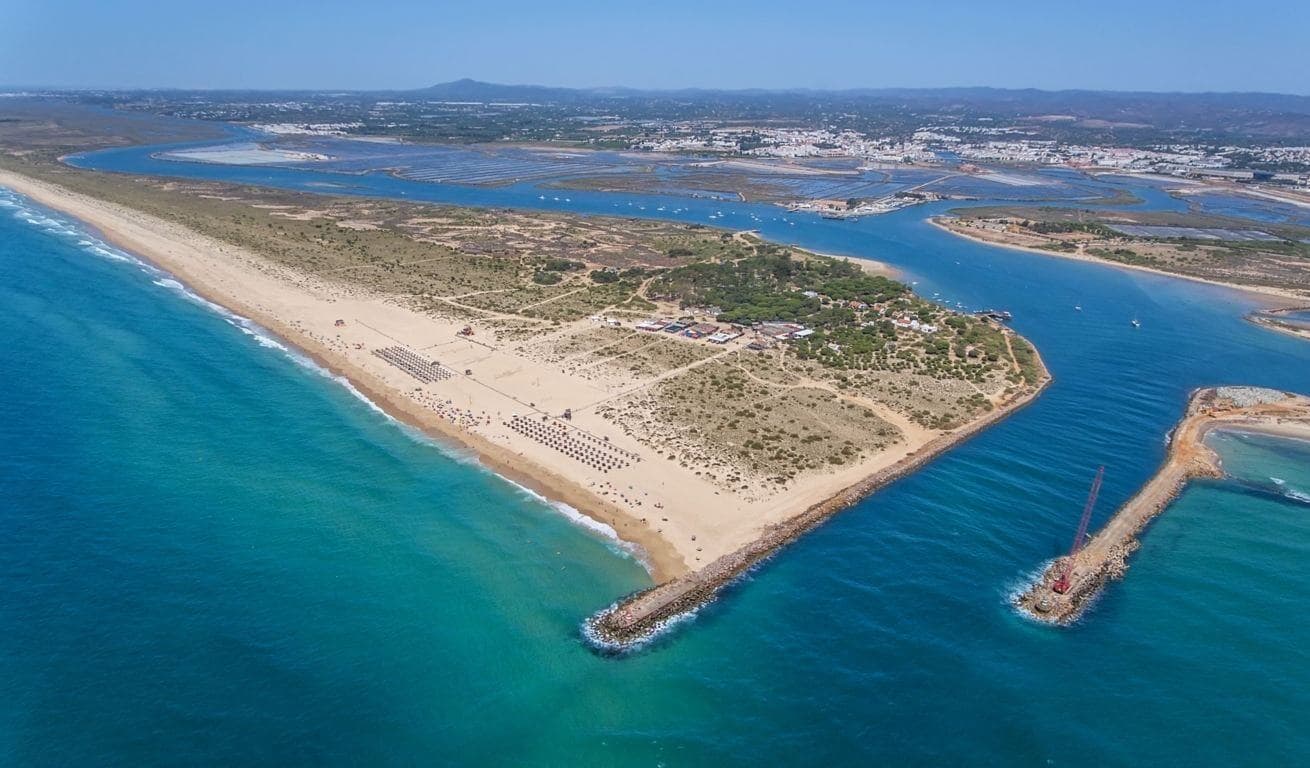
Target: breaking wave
[593, 638]
[1289, 492]
[605, 532]
[55, 223]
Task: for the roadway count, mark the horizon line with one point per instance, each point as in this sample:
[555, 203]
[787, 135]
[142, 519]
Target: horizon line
[602, 90]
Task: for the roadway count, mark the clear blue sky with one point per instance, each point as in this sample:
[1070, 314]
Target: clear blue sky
[1191, 45]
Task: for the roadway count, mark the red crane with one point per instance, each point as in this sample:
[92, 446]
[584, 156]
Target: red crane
[1061, 584]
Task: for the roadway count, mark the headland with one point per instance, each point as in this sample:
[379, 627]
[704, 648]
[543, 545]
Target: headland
[707, 395]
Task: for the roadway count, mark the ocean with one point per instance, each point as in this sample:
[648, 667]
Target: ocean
[216, 554]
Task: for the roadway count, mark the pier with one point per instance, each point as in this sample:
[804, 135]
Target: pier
[1069, 583]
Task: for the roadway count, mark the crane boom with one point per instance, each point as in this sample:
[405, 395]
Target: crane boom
[1078, 538]
[1061, 584]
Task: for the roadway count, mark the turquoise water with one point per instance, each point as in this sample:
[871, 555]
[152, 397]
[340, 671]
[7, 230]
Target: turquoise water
[217, 555]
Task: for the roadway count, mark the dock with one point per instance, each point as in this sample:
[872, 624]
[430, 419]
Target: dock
[1105, 556]
[999, 315]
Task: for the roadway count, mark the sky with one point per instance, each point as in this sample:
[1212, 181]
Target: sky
[1157, 45]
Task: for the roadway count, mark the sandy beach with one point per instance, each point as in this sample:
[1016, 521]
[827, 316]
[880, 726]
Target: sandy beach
[1264, 292]
[680, 519]
[303, 311]
[1270, 319]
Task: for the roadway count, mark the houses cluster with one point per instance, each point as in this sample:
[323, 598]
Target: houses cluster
[763, 335]
[779, 331]
[691, 330]
[983, 143]
[769, 334]
[875, 313]
[904, 322]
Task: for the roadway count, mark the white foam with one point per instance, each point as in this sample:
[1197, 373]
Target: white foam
[265, 339]
[657, 630]
[25, 210]
[610, 536]
[664, 627]
[1020, 586]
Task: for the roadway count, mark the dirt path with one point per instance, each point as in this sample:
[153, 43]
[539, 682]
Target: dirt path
[895, 418]
[552, 298]
[653, 381]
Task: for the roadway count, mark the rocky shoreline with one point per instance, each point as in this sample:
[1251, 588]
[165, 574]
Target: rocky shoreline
[645, 614]
[1111, 566]
[1105, 555]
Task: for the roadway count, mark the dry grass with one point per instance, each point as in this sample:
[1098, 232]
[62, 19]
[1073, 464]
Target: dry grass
[745, 435]
[751, 422]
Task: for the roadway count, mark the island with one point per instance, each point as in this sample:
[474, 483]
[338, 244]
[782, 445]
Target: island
[1069, 584]
[705, 394]
[1263, 258]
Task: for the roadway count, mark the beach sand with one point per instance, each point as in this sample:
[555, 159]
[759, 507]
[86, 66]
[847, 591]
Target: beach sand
[680, 520]
[1270, 319]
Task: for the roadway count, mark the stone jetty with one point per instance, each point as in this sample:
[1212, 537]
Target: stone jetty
[644, 614]
[1105, 555]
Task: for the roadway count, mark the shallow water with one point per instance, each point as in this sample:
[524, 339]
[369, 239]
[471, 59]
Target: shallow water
[220, 556]
[1257, 209]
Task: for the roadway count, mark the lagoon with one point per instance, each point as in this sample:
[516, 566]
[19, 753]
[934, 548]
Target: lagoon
[221, 556]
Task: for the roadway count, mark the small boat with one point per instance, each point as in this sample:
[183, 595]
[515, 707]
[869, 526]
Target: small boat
[1078, 308]
[1137, 323]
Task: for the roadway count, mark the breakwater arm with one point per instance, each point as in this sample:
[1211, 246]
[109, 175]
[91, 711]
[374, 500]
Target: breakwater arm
[1105, 555]
[644, 614]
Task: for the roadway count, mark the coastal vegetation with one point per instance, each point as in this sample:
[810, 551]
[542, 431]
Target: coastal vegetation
[1265, 255]
[873, 354]
[771, 284]
[752, 430]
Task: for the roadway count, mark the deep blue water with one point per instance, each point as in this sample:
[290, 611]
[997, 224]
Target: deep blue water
[219, 556]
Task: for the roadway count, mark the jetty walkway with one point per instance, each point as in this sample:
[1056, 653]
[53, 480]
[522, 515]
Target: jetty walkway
[1105, 555]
